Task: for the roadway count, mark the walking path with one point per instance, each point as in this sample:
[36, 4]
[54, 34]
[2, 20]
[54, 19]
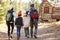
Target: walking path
[45, 32]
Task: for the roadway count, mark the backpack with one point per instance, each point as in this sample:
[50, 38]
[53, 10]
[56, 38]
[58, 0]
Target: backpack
[9, 16]
[34, 14]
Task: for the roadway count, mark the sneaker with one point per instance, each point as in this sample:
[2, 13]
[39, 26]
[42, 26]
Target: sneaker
[28, 36]
[35, 36]
[11, 36]
[25, 35]
[31, 36]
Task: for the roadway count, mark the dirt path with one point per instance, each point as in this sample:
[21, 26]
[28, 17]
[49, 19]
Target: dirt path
[45, 32]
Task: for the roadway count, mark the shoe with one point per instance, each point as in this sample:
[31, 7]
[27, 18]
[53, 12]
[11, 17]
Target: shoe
[31, 36]
[11, 36]
[35, 36]
[8, 39]
[27, 36]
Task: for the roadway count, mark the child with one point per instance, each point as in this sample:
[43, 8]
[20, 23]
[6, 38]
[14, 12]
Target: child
[19, 24]
[26, 21]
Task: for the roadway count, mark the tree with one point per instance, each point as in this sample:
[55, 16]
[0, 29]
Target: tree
[1, 10]
[37, 5]
[35, 2]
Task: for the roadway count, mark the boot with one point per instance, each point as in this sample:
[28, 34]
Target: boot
[31, 36]
[35, 36]
[11, 36]
[8, 37]
[18, 37]
[27, 36]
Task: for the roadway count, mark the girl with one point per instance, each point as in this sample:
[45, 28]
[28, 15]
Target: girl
[19, 24]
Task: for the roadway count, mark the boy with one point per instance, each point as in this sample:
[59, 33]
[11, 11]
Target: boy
[26, 21]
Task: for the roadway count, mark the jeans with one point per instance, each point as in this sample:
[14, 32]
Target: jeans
[12, 26]
[26, 29]
[18, 29]
[34, 24]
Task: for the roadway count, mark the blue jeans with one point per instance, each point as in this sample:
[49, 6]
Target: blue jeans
[18, 29]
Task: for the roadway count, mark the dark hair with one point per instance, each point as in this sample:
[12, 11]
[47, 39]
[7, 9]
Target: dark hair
[12, 10]
[32, 5]
[9, 11]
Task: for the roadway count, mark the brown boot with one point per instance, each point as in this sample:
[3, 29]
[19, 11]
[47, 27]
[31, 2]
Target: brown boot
[18, 37]
[8, 37]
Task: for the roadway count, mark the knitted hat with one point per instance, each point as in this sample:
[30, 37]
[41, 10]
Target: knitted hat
[27, 12]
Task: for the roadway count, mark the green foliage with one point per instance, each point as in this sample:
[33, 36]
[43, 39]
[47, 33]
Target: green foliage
[1, 11]
[37, 5]
[17, 6]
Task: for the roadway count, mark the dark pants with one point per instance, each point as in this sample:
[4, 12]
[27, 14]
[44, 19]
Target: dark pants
[12, 26]
[26, 29]
[33, 24]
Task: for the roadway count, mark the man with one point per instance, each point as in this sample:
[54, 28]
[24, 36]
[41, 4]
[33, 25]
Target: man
[33, 20]
[10, 21]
